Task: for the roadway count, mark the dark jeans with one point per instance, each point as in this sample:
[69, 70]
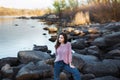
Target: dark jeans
[60, 65]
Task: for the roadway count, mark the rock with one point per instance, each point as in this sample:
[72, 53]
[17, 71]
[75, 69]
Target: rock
[63, 76]
[83, 51]
[49, 51]
[93, 30]
[115, 52]
[40, 48]
[13, 61]
[92, 36]
[1, 75]
[45, 28]
[100, 42]
[68, 29]
[52, 29]
[47, 79]
[6, 79]
[102, 68]
[16, 24]
[7, 71]
[93, 50]
[87, 76]
[50, 61]
[33, 71]
[108, 40]
[106, 78]
[112, 54]
[53, 38]
[85, 58]
[79, 44]
[23, 17]
[113, 26]
[77, 61]
[44, 33]
[28, 56]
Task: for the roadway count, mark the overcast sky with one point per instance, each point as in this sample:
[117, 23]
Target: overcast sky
[29, 4]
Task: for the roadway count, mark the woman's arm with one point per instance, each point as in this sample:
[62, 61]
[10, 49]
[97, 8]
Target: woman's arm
[70, 56]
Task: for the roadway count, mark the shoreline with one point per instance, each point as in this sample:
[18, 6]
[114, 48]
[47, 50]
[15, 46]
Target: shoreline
[96, 55]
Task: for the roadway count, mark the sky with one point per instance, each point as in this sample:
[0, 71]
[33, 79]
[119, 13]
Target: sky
[27, 4]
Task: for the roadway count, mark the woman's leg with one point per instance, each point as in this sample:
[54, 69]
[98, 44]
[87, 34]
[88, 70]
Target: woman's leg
[57, 70]
[74, 71]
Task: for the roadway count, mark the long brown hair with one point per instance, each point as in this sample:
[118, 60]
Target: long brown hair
[65, 40]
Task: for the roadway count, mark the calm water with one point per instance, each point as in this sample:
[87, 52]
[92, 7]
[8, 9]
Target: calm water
[14, 38]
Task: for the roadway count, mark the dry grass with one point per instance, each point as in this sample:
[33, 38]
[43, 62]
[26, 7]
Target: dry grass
[101, 11]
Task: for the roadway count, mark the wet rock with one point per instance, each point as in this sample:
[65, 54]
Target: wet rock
[45, 28]
[87, 76]
[33, 71]
[23, 17]
[16, 24]
[103, 68]
[49, 51]
[40, 48]
[44, 33]
[106, 78]
[13, 61]
[28, 56]
[79, 44]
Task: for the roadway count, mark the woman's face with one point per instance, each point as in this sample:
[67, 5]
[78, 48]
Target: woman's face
[61, 39]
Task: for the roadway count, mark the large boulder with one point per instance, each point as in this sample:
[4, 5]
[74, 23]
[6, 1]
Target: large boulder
[93, 50]
[53, 38]
[106, 78]
[80, 60]
[113, 54]
[33, 71]
[108, 40]
[28, 56]
[87, 76]
[7, 71]
[77, 61]
[6, 79]
[13, 61]
[79, 44]
[113, 26]
[40, 48]
[103, 68]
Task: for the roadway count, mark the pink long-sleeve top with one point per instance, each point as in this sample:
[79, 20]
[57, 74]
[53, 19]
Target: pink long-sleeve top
[64, 53]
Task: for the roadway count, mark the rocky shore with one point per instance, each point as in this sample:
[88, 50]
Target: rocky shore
[96, 55]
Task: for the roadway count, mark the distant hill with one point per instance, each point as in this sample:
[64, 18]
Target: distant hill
[12, 11]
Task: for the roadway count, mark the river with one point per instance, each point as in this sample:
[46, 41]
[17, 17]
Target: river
[21, 34]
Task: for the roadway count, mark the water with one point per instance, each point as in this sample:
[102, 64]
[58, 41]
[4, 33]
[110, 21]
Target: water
[21, 34]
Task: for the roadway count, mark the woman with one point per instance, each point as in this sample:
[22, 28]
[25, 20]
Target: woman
[64, 58]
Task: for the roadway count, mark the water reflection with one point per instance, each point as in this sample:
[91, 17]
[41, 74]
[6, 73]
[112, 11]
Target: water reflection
[22, 36]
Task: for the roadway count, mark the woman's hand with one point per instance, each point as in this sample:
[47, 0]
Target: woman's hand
[72, 66]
